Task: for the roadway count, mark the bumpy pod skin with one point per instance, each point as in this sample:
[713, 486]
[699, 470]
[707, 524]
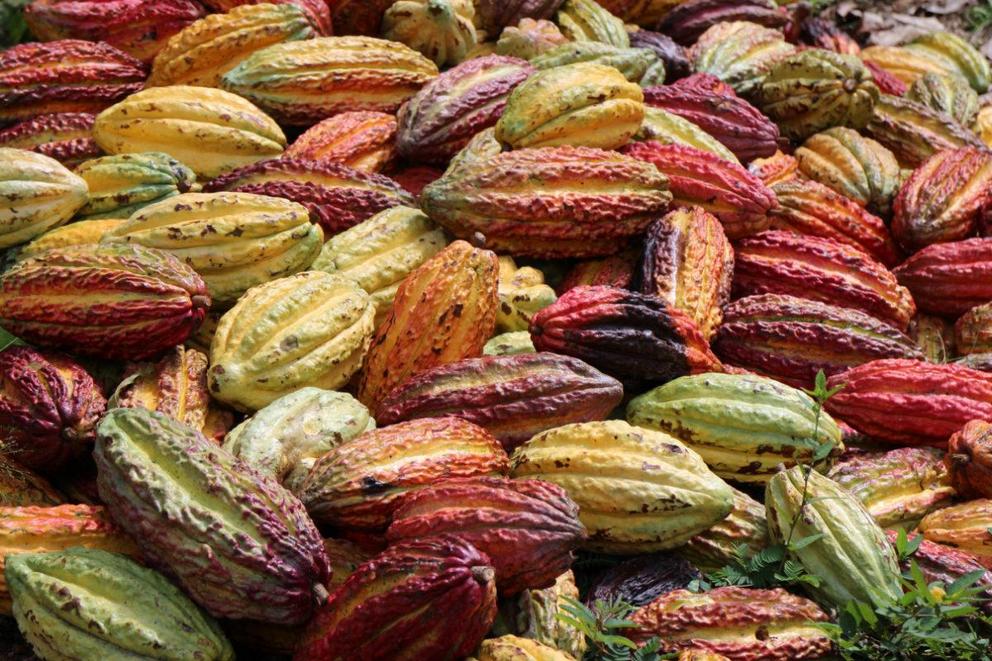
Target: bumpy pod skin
[67, 137]
[688, 21]
[700, 179]
[415, 178]
[379, 252]
[529, 528]
[934, 336]
[209, 130]
[62, 607]
[120, 185]
[285, 438]
[733, 121]
[965, 526]
[508, 344]
[822, 270]
[969, 460]
[336, 196]
[69, 75]
[914, 132]
[529, 38]
[955, 55]
[613, 271]
[494, 15]
[424, 599]
[673, 56]
[668, 128]
[317, 11]
[717, 547]
[441, 30]
[444, 311]
[688, 262]
[626, 334]
[586, 20]
[852, 555]
[36, 529]
[234, 241]
[533, 615]
[949, 278]
[140, 28]
[303, 82]
[507, 647]
[910, 402]
[729, 621]
[361, 17]
[808, 207]
[638, 490]
[512, 396]
[37, 193]
[983, 121]
[791, 338]
[522, 292]
[582, 104]
[775, 169]
[947, 94]
[817, 89]
[903, 64]
[642, 579]
[549, 202]
[78, 233]
[137, 303]
[20, 487]
[359, 484]
[739, 53]
[742, 425]
[176, 385]
[854, 166]
[944, 199]
[443, 116]
[899, 487]
[946, 564]
[308, 329]
[887, 83]
[203, 52]
[239, 544]
[822, 33]
[638, 65]
[361, 140]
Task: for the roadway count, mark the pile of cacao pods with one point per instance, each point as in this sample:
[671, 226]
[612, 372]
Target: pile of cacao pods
[344, 326]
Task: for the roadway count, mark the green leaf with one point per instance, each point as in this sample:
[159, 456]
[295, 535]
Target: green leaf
[803, 542]
[7, 340]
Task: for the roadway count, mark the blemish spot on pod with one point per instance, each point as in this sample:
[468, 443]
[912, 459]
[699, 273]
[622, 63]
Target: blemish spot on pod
[122, 184]
[64, 603]
[37, 194]
[308, 329]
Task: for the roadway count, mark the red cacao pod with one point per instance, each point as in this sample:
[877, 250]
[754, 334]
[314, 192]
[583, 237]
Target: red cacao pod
[949, 278]
[969, 459]
[67, 137]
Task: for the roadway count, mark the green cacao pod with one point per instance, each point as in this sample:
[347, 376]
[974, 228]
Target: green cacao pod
[533, 615]
[739, 53]
[955, 55]
[120, 185]
[37, 193]
[587, 20]
[91, 604]
[638, 65]
[508, 344]
[852, 556]
[742, 425]
[914, 132]
[948, 94]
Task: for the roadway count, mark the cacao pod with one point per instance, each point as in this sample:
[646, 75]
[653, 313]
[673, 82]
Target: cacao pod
[642, 579]
[507, 344]
[966, 526]
[529, 38]
[934, 336]
[37, 193]
[687, 21]
[441, 30]
[67, 137]
[949, 278]
[514, 648]
[79, 233]
[638, 65]
[948, 94]
[914, 132]
[955, 55]
[668, 128]
[613, 271]
[121, 185]
[904, 64]
[886, 82]
[587, 20]
[522, 292]
[494, 15]
[717, 547]
[672, 55]
[359, 140]
[775, 169]
[317, 11]
[969, 459]
[943, 563]
[739, 53]
[533, 615]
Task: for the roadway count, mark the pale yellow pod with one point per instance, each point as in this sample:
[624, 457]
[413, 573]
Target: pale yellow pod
[79, 233]
[37, 193]
[522, 293]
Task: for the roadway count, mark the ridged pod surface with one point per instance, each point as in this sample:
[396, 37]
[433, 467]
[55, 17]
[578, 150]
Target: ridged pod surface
[689, 263]
[734, 622]
[425, 599]
[822, 270]
[969, 460]
[68, 75]
[638, 490]
[739, 53]
[441, 30]
[613, 271]
[948, 94]
[239, 544]
[672, 55]
[699, 179]
[851, 555]
[78, 233]
[234, 241]
[522, 293]
[286, 437]
[203, 52]
[810, 208]
[506, 647]
[946, 564]
[775, 169]
[120, 185]
[549, 201]
[715, 548]
[899, 487]
[140, 28]
[317, 11]
[449, 110]
[857, 167]
[910, 402]
[211, 131]
[956, 56]
[35, 529]
[626, 334]
[529, 38]
[815, 90]
[914, 132]
[528, 528]
[934, 336]
[733, 121]
[443, 311]
[361, 140]
[668, 128]
[67, 137]
[308, 329]
[61, 605]
[20, 487]
[642, 579]
[336, 196]
[533, 615]
[359, 484]
[944, 199]
[582, 104]
[904, 64]
[175, 385]
[791, 338]
[513, 396]
[137, 303]
[743, 426]
[587, 20]
[303, 82]
[37, 193]
[965, 526]
[949, 278]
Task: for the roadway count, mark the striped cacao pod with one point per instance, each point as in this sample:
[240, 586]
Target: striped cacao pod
[37, 194]
[956, 56]
[949, 278]
[359, 140]
[739, 53]
[668, 128]
[67, 137]
[441, 30]
[318, 12]
[902, 63]
[587, 20]
[120, 185]
[688, 21]
[948, 94]
[967, 526]
[774, 169]
[914, 132]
